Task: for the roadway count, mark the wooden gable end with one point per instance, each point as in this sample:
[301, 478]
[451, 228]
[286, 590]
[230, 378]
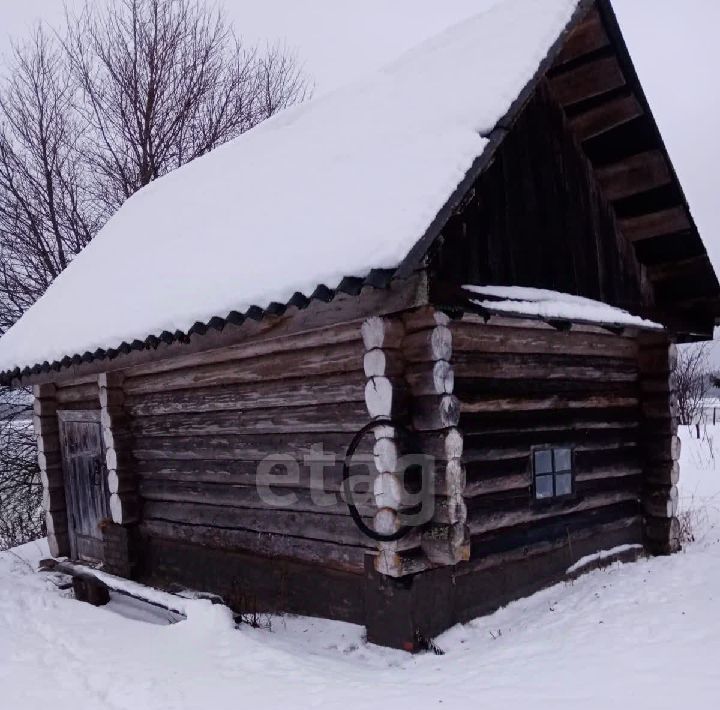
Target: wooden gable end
[577, 193]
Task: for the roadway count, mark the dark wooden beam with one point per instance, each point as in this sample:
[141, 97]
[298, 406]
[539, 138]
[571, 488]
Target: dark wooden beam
[635, 174]
[588, 36]
[605, 117]
[687, 267]
[587, 80]
[656, 224]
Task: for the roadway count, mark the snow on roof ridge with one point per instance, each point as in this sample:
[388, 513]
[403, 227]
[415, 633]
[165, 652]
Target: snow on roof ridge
[343, 185]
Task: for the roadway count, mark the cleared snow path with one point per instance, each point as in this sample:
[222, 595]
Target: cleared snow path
[646, 633]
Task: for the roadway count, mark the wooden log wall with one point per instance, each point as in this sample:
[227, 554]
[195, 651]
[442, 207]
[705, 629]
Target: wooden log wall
[435, 416]
[658, 359]
[47, 432]
[117, 438]
[523, 384]
[203, 424]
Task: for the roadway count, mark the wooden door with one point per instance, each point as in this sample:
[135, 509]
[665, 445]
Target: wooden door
[86, 493]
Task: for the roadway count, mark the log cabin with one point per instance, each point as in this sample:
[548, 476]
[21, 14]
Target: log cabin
[481, 256]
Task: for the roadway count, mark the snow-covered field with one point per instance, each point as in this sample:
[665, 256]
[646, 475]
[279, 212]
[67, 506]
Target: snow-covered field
[646, 633]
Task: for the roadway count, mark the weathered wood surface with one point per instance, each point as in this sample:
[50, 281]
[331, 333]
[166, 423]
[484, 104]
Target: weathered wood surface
[587, 80]
[323, 360]
[585, 396]
[587, 36]
[85, 485]
[326, 554]
[296, 392]
[637, 173]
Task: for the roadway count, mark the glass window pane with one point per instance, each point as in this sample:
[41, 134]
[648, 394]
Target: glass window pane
[563, 484]
[563, 460]
[543, 461]
[543, 487]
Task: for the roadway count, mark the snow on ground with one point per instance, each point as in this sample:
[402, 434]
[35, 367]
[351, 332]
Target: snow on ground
[646, 633]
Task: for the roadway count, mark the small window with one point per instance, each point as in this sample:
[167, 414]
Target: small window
[552, 473]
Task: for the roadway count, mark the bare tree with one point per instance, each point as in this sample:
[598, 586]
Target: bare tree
[165, 81]
[46, 211]
[129, 91]
[691, 381]
[20, 489]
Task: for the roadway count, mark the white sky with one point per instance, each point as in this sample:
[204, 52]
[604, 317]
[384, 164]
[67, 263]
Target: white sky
[673, 43]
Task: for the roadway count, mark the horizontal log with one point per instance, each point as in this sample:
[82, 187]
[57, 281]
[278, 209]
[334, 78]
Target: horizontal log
[267, 339]
[662, 535]
[513, 366]
[655, 224]
[328, 360]
[499, 548]
[398, 566]
[245, 473]
[121, 481]
[430, 378]
[304, 392]
[638, 173]
[620, 433]
[78, 393]
[302, 524]
[46, 391]
[328, 554]
[52, 477]
[605, 117]
[337, 417]
[253, 496]
[450, 511]
[429, 345]
[469, 336]
[665, 448]
[483, 521]
[587, 80]
[244, 448]
[444, 446]
[382, 333]
[424, 318]
[45, 408]
[521, 404]
[662, 502]
[124, 509]
[447, 545]
[435, 413]
[663, 474]
[386, 455]
[383, 363]
[384, 397]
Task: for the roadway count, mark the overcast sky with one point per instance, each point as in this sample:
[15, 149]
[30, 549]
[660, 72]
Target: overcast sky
[673, 42]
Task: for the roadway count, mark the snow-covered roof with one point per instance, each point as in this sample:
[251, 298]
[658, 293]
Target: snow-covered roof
[553, 305]
[339, 186]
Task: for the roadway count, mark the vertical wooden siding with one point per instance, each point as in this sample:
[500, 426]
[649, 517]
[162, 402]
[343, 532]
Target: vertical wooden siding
[537, 217]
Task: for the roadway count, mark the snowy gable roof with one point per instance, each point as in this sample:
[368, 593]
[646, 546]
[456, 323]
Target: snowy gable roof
[342, 185]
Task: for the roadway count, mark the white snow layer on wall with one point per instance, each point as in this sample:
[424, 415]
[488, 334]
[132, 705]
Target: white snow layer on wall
[336, 187]
[519, 300]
